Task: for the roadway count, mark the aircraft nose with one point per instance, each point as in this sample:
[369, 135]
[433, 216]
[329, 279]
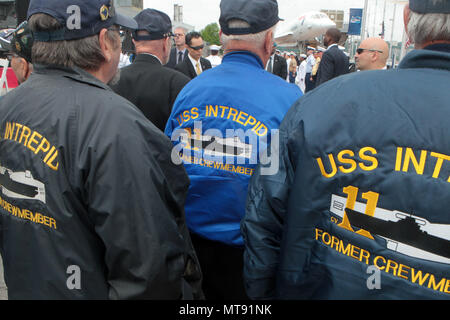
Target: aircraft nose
[327, 23]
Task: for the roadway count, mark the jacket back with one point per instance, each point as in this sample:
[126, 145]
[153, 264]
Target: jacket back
[221, 122]
[358, 209]
[83, 177]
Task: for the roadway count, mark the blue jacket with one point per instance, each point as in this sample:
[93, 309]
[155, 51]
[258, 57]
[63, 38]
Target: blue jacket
[360, 206]
[239, 95]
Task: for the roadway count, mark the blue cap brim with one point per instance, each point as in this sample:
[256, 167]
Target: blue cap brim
[5, 45]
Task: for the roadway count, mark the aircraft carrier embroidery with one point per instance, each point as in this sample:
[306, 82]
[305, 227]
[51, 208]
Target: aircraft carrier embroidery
[404, 233]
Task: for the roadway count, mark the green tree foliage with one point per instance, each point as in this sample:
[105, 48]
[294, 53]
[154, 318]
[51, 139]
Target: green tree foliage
[211, 34]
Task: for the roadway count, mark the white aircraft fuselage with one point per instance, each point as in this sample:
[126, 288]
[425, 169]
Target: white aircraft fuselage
[306, 27]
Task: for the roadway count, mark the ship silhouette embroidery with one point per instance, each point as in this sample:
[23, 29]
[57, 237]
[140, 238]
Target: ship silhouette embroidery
[405, 230]
[213, 144]
[17, 187]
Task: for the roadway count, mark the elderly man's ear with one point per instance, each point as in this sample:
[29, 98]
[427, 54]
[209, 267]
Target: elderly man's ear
[22, 69]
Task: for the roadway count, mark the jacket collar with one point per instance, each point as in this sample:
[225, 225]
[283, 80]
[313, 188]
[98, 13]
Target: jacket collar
[74, 73]
[147, 57]
[433, 57]
[243, 56]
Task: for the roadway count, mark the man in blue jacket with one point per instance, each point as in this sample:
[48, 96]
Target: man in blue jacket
[221, 122]
[359, 207]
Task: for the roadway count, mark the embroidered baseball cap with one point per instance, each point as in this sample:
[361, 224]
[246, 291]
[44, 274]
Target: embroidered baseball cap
[155, 22]
[18, 41]
[259, 14]
[22, 41]
[430, 6]
[79, 18]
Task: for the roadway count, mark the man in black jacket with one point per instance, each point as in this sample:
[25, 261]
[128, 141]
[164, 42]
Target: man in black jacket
[194, 64]
[334, 62]
[146, 83]
[179, 52]
[277, 65]
[91, 204]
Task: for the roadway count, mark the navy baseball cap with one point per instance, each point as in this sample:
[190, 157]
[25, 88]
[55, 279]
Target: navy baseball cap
[79, 18]
[430, 6]
[259, 14]
[155, 22]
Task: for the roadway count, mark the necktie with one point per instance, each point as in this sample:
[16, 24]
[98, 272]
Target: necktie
[180, 56]
[198, 68]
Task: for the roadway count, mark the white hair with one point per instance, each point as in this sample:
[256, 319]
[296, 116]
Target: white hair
[254, 38]
[423, 28]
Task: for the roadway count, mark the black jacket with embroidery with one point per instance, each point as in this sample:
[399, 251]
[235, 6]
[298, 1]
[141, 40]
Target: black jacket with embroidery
[91, 204]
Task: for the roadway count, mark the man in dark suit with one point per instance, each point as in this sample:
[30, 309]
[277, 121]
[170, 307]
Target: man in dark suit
[194, 64]
[179, 52]
[146, 83]
[334, 62]
[277, 65]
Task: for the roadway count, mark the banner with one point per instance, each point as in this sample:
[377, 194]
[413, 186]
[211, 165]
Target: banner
[354, 26]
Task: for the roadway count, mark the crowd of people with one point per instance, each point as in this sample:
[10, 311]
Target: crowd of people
[243, 176]
[303, 69]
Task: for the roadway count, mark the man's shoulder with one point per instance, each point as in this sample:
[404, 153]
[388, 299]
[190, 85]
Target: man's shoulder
[206, 61]
[335, 51]
[183, 65]
[175, 74]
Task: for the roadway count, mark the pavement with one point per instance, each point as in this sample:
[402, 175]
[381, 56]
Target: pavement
[3, 289]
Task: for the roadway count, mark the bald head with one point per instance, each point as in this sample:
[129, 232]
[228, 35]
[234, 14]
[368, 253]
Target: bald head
[374, 56]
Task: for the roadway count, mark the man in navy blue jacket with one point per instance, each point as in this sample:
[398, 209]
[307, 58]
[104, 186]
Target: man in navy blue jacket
[359, 207]
[224, 118]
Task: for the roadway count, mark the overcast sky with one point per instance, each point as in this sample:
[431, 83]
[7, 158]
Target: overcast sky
[200, 13]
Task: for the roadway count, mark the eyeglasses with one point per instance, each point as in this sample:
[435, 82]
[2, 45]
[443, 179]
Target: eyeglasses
[176, 35]
[197, 47]
[169, 35]
[361, 50]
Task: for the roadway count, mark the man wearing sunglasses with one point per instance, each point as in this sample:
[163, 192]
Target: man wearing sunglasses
[179, 51]
[194, 64]
[372, 54]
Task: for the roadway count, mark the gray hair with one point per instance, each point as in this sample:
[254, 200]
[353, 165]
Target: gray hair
[180, 27]
[254, 38]
[423, 28]
[83, 53]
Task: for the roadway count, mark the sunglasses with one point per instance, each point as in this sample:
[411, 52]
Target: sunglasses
[197, 47]
[361, 50]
